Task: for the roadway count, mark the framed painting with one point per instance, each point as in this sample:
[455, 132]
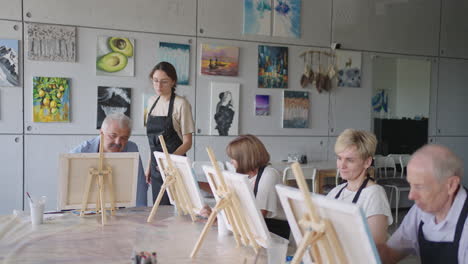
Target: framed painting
[179, 56]
[51, 99]
[112, 100]
[219, 60]
[224, 114]
[272, 67]
[296, 106]
[115, 56]
[9, 62]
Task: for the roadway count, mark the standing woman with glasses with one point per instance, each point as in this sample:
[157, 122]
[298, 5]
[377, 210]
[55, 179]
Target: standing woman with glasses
[169, 115]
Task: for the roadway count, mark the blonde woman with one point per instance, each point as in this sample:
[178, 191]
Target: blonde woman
[354, 150]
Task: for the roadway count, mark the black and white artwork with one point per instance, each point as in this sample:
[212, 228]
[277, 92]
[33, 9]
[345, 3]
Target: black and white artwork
[8, 62]
[224, 113]
[51, 43]
[112, 100]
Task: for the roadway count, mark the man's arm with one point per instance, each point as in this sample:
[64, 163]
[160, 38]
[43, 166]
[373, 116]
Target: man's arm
[390, 255]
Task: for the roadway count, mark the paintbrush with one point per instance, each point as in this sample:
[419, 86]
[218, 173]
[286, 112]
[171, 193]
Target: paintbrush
[29, 196]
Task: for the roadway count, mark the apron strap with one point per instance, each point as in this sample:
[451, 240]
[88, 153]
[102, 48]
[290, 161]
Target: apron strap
[257, 180]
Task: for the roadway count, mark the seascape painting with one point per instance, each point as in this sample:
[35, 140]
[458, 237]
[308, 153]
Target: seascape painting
[112, 100]
[9, 62]
[51, 99]
[296, 109]
[272, 67]
[349, 68]
[262, 105]
[51, 43]
[257, 17]
[287, 18]
[115, 56]
[179, 56]
[224, 112]
[219, 60]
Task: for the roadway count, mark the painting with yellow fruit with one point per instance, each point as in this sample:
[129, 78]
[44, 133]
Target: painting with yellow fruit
[51, 102]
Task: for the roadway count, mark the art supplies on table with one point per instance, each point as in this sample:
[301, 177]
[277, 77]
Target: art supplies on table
[144, 257]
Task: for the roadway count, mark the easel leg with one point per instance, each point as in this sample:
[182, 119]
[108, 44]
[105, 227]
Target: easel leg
[101, 196]
[208, 224]
[156, 203]
[111, 193]
[302, 248]
[84, 201]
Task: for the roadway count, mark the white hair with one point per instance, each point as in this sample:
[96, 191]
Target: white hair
[122, 120]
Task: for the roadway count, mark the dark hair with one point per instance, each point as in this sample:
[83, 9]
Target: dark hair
[168, 69]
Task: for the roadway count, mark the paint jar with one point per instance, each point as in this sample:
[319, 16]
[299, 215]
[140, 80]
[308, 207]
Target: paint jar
[277, 249]
[37, 210]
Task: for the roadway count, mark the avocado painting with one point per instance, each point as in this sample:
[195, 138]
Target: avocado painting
[51, 99]
[115, 56]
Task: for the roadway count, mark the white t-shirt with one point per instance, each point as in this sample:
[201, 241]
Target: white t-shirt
[267, 198]
[373, 200]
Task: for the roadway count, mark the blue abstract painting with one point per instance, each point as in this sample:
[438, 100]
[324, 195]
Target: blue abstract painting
[287, 18]
[257, 17]
[272, 67]
[179, 56]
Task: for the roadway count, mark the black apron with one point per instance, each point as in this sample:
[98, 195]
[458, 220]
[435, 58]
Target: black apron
[442, 252]
[279, 227]
[356, 197]
[156, 126]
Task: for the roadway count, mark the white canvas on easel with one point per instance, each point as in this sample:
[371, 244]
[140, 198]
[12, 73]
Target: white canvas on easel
[184, 165]
[347, 220]
[239, 184]
[73, 175]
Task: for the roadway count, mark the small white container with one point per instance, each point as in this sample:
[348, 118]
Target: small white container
[277, 249]
[37, 210]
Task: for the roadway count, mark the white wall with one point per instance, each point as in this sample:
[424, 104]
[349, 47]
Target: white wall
[399, 29]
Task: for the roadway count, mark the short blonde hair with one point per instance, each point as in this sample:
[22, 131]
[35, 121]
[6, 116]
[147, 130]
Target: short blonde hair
[365, 142]
[249, 152]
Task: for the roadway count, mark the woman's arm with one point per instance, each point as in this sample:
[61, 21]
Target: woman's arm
[378, 225]
[186, 145]
[148, 170]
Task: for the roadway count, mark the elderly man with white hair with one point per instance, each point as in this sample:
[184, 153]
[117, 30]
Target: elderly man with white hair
[435, 228]
[116, 130]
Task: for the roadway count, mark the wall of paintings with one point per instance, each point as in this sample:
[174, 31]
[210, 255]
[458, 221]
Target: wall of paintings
[60, 87]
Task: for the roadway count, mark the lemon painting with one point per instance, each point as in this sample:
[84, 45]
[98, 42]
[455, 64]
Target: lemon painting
[51, 102]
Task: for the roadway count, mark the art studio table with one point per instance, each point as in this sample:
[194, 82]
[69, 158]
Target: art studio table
[69, 238]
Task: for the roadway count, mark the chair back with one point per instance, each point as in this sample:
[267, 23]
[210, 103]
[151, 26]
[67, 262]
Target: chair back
[309, 174]
[198, 170]
[382, 164]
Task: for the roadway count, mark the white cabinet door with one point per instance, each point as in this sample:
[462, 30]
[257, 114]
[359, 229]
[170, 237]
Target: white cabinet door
[11, 175]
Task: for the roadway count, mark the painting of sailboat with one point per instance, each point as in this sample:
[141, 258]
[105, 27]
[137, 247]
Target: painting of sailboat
[219, 60]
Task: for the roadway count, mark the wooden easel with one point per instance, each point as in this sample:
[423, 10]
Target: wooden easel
[99, 173]
[229, 202]
[319, 234]
[174, 182]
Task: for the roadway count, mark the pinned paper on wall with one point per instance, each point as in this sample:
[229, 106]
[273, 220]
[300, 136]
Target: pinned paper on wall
[51, 43]
[349, 68]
